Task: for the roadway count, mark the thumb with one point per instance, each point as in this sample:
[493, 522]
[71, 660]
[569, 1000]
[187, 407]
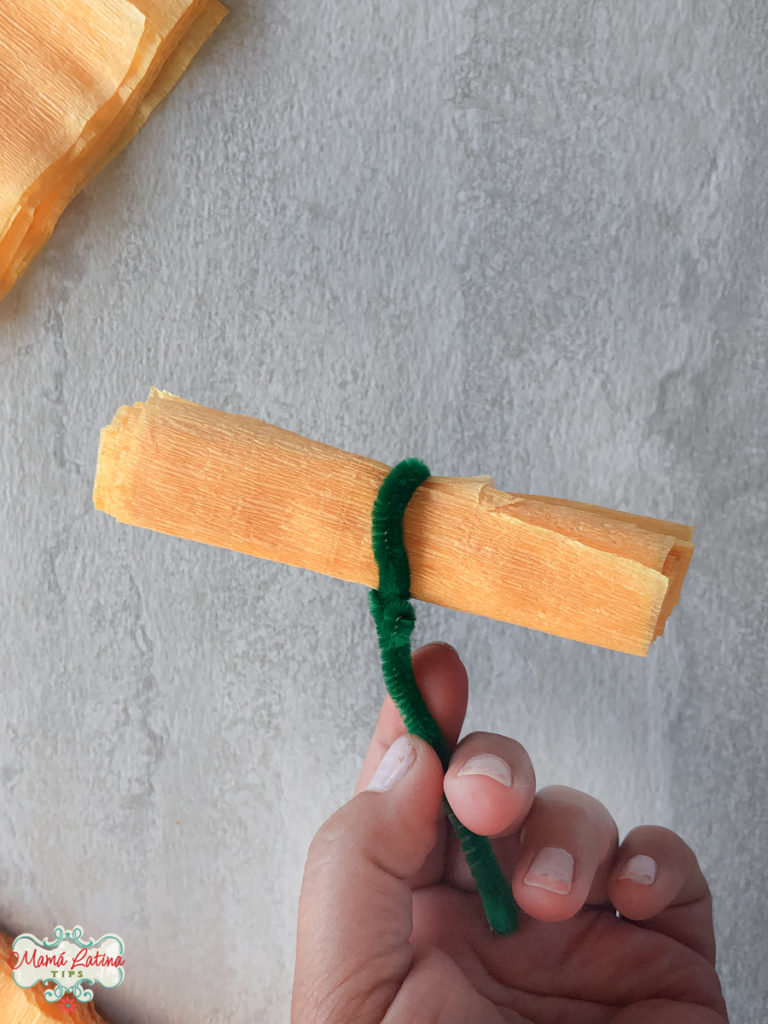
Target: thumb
[355, 910]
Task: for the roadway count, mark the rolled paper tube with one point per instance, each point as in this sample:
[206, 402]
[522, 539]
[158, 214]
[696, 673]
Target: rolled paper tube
[574, 570]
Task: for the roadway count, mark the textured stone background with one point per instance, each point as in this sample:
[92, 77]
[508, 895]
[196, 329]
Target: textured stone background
[526, 239]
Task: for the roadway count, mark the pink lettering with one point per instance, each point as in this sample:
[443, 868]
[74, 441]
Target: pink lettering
[98, 959]
[35, 959]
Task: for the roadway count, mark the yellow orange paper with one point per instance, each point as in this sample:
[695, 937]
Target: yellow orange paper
[79, 78]
[597, 575]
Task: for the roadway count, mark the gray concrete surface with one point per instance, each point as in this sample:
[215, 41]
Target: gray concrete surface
[510, 238]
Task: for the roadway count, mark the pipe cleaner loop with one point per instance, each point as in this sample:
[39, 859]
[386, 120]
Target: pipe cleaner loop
[394, 616]
[394, 620]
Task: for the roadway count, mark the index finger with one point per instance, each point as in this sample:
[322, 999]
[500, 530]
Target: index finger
[442, 682]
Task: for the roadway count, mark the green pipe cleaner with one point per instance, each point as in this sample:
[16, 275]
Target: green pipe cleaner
[394, 616]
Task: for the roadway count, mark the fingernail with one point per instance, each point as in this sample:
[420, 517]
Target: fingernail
[640, 869]
[442, 643]
[393, 766]
[552, 869]
[490, 765]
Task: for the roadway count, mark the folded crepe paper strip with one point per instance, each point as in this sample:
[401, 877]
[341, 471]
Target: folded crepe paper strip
[29, 1006]
[591, 574]
[78, 78]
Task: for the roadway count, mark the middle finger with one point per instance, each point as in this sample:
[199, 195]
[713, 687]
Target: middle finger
[567, 846]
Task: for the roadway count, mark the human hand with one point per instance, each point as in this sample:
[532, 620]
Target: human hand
[391, 929]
